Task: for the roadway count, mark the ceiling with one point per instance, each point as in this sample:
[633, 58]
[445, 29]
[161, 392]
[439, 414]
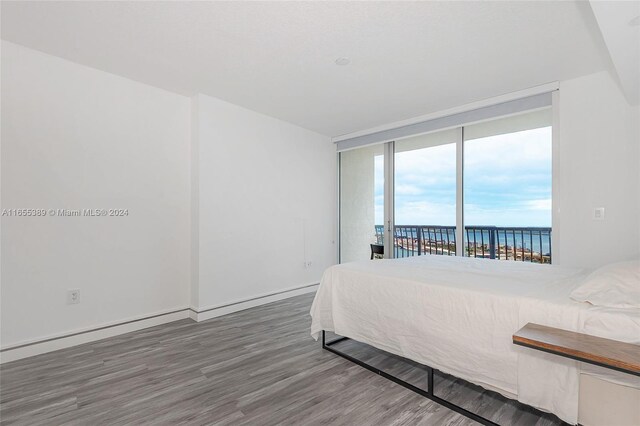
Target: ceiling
[620, 27]
[277, 58]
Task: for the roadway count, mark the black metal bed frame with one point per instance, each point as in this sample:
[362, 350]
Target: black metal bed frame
[429, 393]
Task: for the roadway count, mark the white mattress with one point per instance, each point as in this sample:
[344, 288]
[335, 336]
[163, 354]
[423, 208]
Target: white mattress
[459, 314]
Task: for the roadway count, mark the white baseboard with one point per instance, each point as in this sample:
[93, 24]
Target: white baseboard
[54, 343]
[50, 344]
[203, 314]
[193, 314]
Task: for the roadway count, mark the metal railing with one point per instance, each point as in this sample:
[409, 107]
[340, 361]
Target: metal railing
[527, 244]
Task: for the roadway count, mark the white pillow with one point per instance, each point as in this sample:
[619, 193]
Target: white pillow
[614, 286]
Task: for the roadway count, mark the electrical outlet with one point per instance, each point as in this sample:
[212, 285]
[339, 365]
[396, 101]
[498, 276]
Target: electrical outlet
[73, 296]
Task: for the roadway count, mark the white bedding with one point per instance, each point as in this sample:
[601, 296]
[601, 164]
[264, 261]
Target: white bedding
[459, 314]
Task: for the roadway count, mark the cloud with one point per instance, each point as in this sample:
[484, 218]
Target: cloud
[515, 152]
[507, 182]
[425, 213]
[544, 204]
[404, 189]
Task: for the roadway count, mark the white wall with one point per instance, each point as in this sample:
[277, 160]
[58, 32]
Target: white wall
[598, 167]
[75, 137]
[357, 204]
[252, 197]
[266, 203]
[257, 203]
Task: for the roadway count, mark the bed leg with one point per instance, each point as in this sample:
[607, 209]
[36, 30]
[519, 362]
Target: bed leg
[430, 381]
[326, 344]
[429, 393]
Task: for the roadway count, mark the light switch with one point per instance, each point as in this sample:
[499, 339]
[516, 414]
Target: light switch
[598, 213]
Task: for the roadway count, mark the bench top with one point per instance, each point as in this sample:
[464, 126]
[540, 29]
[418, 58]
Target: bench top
[606, 353]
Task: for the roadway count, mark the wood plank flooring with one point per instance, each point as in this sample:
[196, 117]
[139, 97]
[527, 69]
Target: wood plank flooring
[255, 367]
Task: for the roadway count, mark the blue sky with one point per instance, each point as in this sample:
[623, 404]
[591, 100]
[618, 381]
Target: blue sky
[507, 182]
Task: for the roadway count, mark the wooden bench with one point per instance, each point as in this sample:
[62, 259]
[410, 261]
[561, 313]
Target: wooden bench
[606, 353]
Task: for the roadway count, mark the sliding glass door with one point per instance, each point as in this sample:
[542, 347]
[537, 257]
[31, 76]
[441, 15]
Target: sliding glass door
[425, 194]
[507, 188]
[480, 190]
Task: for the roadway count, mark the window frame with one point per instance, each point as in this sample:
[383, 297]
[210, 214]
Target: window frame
[389, 184]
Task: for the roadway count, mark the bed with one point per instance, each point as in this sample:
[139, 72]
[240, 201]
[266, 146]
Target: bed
[458, 315]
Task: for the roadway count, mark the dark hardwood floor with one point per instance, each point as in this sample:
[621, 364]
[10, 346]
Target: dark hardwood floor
[255, 367]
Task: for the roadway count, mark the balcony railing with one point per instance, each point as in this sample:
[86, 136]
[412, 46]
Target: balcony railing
[527, 244]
